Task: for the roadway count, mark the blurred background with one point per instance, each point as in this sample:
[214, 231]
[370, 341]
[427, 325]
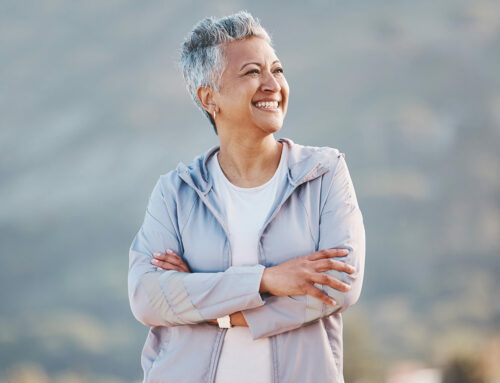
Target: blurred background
[93, 109]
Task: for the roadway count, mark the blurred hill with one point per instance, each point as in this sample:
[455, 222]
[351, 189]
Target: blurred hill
[93, 109]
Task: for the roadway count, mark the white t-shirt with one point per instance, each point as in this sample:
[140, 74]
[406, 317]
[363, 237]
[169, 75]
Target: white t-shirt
[243, 359]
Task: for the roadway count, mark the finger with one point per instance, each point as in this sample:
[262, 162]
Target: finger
[320, 294]
[332, 264]
[177, 259]
[171, 258]
[180, 266]
[171, 268]
[168, 252]
[334, 283]
[327, 253]
[166, 265]
[166, 256]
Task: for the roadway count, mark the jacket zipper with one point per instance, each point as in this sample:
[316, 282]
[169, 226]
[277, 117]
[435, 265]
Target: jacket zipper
[216, 356]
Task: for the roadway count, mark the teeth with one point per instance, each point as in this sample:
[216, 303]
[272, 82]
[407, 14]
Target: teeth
[267, 104]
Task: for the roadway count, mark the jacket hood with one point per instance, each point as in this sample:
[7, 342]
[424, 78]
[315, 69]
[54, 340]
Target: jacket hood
[305, 163]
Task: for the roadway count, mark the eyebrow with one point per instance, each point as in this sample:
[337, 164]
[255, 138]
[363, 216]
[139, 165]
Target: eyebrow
[244, 65]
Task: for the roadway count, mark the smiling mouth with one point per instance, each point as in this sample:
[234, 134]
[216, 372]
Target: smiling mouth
[267, 105]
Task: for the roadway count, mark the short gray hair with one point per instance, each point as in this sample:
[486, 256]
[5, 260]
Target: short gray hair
[202, 58]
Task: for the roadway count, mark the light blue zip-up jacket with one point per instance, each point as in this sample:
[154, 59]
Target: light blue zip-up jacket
[315, 208]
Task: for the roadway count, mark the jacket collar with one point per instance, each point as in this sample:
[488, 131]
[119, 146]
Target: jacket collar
[305, 163]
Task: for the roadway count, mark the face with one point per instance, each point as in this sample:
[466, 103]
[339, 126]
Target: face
[253, 90]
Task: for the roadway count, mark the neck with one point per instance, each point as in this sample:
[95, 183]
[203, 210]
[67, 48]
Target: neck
[249, 161]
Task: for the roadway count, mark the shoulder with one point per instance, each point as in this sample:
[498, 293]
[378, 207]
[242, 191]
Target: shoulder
[170, 181]
[166, 187]
[307, 155]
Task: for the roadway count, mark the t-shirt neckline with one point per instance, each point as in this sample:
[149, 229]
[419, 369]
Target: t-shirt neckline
[255, 188]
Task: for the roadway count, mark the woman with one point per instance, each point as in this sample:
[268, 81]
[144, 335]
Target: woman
[247, 256]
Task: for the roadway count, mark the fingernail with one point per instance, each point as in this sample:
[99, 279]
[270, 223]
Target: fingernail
[156, 254]
[348, 287]
[332, 302]
[154, 261]
[169, 251]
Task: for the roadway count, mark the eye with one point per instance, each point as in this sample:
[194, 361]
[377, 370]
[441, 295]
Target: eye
[253, 71]
[279, 70]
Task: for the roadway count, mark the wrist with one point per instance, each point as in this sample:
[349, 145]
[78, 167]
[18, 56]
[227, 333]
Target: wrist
[238, 319]
[264, 281]
[225, 321]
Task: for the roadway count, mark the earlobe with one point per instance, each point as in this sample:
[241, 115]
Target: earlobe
[205, 96]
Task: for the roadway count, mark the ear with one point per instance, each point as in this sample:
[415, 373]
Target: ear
[206, 97]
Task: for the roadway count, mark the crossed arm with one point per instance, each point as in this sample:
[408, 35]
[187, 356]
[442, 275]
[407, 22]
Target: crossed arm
[302, 289]
[293, 277]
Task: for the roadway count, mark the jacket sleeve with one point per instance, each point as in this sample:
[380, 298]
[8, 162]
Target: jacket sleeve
[341, 226]
[171, 298]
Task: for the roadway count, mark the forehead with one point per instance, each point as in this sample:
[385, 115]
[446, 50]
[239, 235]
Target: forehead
[252, 49]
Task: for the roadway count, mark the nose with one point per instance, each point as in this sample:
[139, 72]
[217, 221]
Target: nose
[270, 83]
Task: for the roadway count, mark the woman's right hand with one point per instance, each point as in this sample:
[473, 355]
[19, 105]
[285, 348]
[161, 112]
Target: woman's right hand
[298, 276]
[170, 261]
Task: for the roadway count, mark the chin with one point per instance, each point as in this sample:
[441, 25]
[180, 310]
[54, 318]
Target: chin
[271, 127]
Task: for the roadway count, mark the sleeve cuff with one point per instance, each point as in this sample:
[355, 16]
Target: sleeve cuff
[277, 315]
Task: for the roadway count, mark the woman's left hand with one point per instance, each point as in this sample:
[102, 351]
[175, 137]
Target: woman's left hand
[170, 261]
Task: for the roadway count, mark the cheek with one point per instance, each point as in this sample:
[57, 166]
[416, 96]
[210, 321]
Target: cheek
[234, 102]
[239, 95]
